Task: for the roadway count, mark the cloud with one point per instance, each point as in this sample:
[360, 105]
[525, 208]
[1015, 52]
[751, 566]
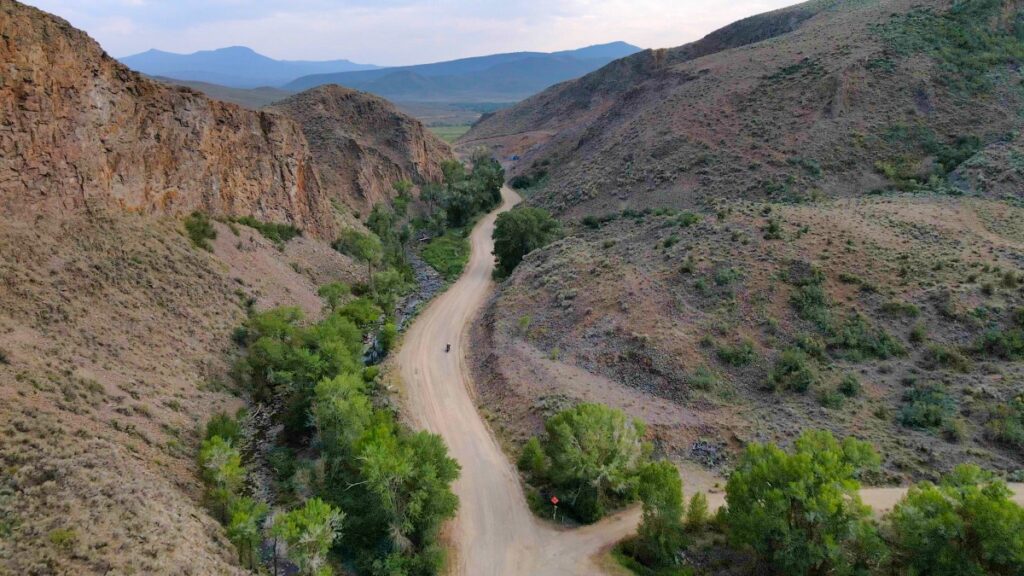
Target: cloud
[396, 31]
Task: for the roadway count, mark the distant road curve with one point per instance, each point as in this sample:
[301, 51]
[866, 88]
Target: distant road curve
[495, 533]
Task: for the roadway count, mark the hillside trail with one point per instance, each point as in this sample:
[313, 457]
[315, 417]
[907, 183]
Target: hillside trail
[495, 533]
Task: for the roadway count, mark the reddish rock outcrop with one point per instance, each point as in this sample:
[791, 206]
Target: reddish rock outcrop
[362, 144]
[79, 131]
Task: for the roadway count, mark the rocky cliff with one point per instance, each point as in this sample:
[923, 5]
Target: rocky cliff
[79, 131]
[362, 144]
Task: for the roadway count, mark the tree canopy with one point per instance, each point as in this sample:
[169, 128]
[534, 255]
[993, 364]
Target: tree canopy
[799, 512]
[519, 232]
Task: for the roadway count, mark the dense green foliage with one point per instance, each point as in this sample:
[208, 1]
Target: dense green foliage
[926, 406]
[519, 232]
[448, 254]
[277, 233]
[200, 230]
[394, 485]
[333, 293]
[965, 526]
[799, 512]
[1006, 423]
[794, 370]
[307, 534]
[285, 359]
[362, 246]
[220, 464]
[661, 531]
[591, 458]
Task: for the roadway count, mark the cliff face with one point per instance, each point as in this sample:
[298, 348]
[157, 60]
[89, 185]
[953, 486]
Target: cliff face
[79, 131]
[362, 145]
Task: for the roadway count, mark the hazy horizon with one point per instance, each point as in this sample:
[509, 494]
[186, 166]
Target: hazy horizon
[395, 32]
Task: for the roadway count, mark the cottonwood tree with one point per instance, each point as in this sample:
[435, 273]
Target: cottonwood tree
[965, 526]
[245, 518]
[799, 512]
[221, 465]
[308, 533]
[660, 534]
[595, 453]
[519, 232]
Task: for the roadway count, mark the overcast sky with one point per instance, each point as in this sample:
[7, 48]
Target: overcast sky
[390, 32]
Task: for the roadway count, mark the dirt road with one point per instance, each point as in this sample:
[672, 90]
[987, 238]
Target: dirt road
[495, 534]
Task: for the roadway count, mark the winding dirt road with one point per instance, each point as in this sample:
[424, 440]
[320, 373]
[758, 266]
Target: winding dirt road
[495, 533]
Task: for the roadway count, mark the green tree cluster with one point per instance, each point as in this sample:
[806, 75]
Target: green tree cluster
[800, 512]
[519, 232]
[591, 458]
[465, 194]
[394, 485]
[220, 463]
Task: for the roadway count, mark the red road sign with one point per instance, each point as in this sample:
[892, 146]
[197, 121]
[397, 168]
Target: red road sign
[554, 500]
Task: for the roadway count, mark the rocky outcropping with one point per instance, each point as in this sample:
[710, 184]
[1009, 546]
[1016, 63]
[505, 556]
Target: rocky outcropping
[80, 131]
[363, 145]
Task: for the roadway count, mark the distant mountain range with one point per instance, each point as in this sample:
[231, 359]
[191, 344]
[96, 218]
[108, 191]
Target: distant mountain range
[495, 78]
[498, 77]
[235, 67]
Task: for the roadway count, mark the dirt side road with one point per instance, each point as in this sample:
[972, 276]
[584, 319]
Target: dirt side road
[495, 534]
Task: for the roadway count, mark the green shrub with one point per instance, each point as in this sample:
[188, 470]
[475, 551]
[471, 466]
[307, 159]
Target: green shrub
[225, 426]
[697, 513]
[1003, 344]
[850, 386]
[896, 308]
[448, 254]
[519, 232]
[831, 398]
[276, 233]
[793, 370]
[926, 406]
[333, 293]
[857, 340]
[1006, 423]
[811, 302]
[940, 356]
[200, 230]
[726, 276]
[703, 379]
[687, 219]
[532, 460]
[660, 534]
[736, 355]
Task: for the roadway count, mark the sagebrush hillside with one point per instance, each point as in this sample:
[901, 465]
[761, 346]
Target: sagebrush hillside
[767, 319]
[822, 99]
[809, 219]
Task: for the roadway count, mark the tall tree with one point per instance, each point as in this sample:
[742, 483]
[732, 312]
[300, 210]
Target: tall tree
[519, 232]
[661, 532]
[595, 453]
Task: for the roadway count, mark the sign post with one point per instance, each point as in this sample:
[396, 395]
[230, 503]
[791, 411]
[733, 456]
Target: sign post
[554, 502]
